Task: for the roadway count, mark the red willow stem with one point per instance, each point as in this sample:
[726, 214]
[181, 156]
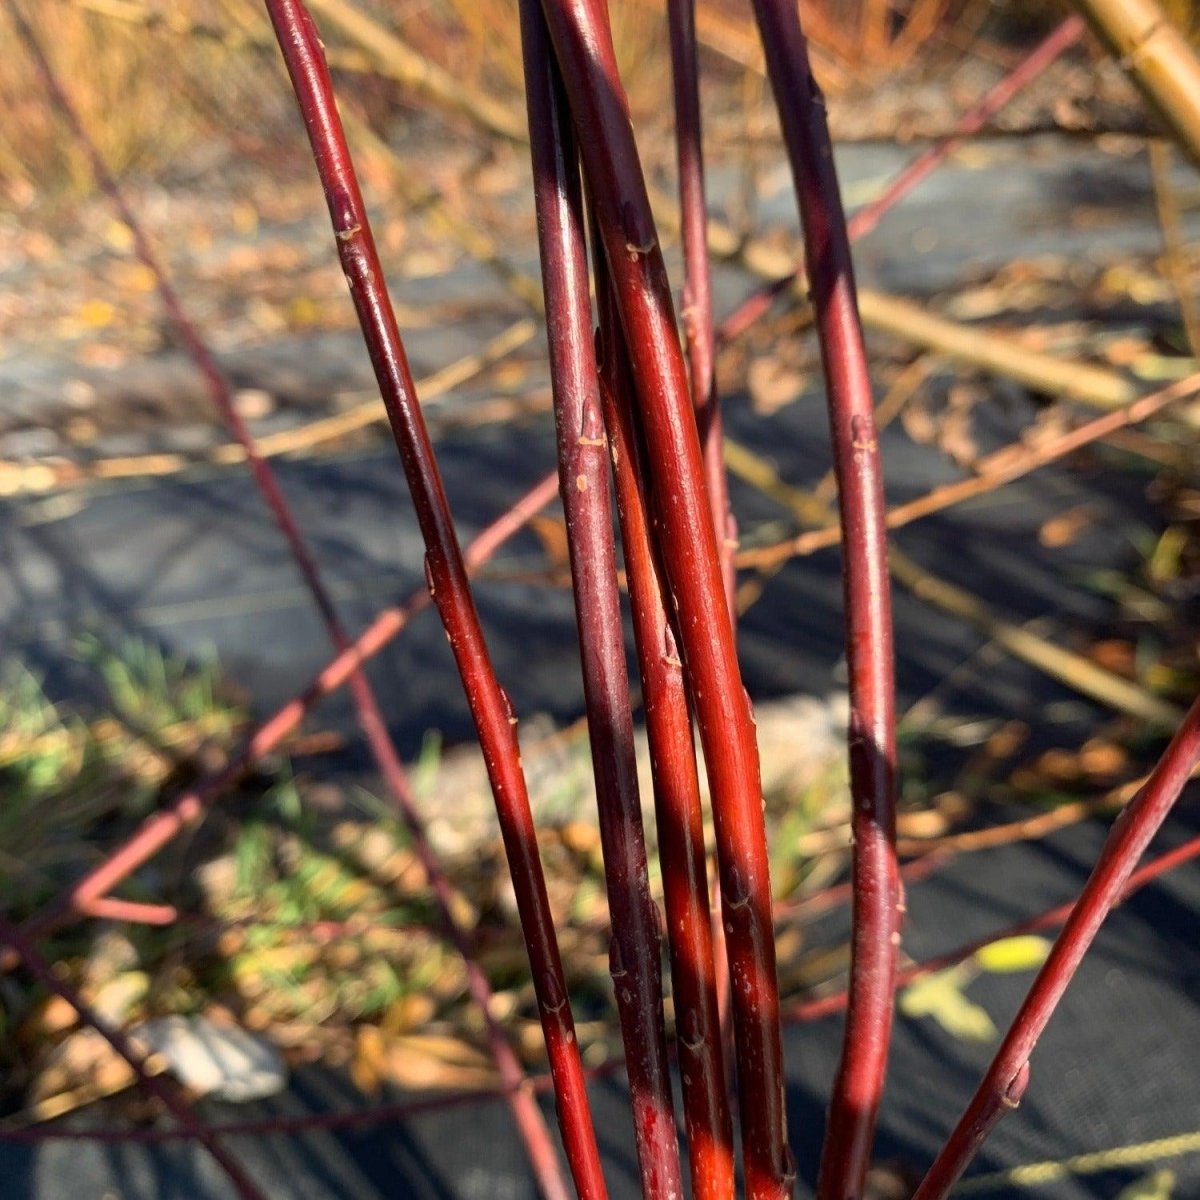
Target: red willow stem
[1052, 47]
[823, 1006]
[697, 314]
[444, 569]
[684, 532]
[1005, 1080]
[808, 1011]
[867, 218]
[635, 948]
[697, 311]
[37, 966]
[157, 830]
[875, 937]
[695, 981]
[383, 750]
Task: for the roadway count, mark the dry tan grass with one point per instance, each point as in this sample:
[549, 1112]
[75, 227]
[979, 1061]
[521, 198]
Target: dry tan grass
[143, 92]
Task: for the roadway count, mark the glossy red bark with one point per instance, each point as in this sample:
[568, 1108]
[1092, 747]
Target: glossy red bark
[636, 951]
[875, 937]
[445, 571]
[684, 535]
[679, 819]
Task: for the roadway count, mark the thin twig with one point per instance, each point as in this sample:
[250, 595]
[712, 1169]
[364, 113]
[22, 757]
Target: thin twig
[697, 310]
[189, 808]
[1059, 663]
[170, 1099]
[807, 1011]
[867, 218]
[823, 1006]
[1001, 467]
[1005, 1080]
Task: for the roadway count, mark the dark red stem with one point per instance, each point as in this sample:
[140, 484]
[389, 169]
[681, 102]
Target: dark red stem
[858, 1087]
[171, 1100]
[680, 822]
[1005, 1079]
[445, 570]
[684, 535]
[697, 310]
[636, 951]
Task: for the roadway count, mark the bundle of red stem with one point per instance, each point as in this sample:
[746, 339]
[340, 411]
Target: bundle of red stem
[640, 399]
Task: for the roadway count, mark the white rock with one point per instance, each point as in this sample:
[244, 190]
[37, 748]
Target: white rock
[222, 1061]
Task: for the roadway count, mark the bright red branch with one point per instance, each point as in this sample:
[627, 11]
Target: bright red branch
[684, 534]
[636, 951]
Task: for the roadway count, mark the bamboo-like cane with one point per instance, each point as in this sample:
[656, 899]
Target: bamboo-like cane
[1157, 57]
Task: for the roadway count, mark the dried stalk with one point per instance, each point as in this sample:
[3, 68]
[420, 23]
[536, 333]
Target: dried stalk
[912, 322]
[1002, 467]
[1170, 221]
[875, 937]
[583, 42]
[635, 949]
[17, 478]
[382, 53]
[696, 980]
[414, 70]
[1006, 1078]
[1072, 669]
[445, 572]
[1158, 58]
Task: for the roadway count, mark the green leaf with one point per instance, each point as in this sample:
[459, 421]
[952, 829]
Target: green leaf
[940, 996]
[1008, 955]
